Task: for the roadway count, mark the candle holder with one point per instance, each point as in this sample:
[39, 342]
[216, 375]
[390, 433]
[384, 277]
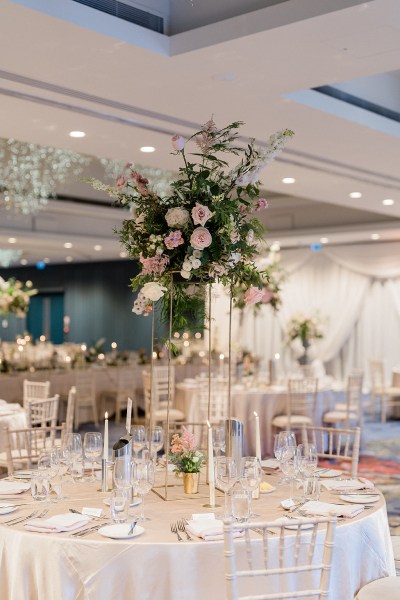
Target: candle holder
[104, 475]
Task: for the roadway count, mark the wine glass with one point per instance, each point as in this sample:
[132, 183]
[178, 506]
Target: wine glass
[218, 438]
[138, 439]
[226, 476]
[93, 448]
[143, 481]
[122, 472]
[250, 477]
[74, 446]
[155, 441]
[284, 447]
[290, 468]
[307, 459]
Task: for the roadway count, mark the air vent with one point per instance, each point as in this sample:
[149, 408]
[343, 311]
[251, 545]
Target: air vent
[127, 13]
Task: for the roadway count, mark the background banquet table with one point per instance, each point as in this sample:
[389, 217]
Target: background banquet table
[154, 566]
[12, 416]
[267, 402]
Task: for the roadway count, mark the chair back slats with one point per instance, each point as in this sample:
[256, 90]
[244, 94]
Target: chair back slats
[302, 397]
[283, 564]
[334, 443]
[43, 413]
[23, 446]
[35, 390]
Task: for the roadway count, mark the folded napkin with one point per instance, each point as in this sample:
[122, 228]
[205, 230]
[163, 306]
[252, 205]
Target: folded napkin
[64, 522]
[8, 488]
[209, 529]
[322, 509]
[348, 484]
[270, 463]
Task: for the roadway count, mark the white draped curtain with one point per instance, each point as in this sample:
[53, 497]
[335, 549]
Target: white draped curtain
[354, 289]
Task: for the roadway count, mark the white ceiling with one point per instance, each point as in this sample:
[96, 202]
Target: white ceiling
[133, 87]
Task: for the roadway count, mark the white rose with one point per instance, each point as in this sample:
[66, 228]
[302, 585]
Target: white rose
[153, 291]
[177, 217]
[234, 258]
[187, 266]
[185, 274]
[197, 253]
[196, 263]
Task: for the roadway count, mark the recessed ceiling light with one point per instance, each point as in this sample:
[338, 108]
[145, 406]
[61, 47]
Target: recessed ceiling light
[388, 202]
[375, 236]
[12, 240]
[123, 254]
[67, 245]
[147, 149]
[355, 195]
[77, 134]
[46, 260]
[23, 261]
[324, 240]
[97, 247]
[288, 180]
[69, 258]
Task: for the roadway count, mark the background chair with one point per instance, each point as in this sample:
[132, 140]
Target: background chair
[349, 412]
[287, 565]
[380, 392]
[159, 409]
[35, 390]
[23, 446]
[334, 444]
[300, 404]
[85, 397]
[43, 413]
[125, 388]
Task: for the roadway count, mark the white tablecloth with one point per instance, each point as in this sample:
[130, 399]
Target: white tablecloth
[12, 417]
[155, 566]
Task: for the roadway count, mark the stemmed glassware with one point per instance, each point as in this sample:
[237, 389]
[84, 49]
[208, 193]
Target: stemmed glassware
[138, 433]
[155, 441]
[143, 481]
[73, 447]
[250, 477]
[290, 468]
[93, 449]
[218, 438]
[226, 475]
[307, 459]
[284, 447]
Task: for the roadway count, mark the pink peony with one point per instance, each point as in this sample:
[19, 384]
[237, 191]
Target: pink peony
[201, 214]
[153, 265]
[178, 142]
[121, 181]
[253, 295]
[261, 204]
[267, 296]
[201, 238]
[173, 240]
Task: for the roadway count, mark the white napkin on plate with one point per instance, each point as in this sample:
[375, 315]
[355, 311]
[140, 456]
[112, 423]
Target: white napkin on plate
[322, 509]
[349, 484]
[64, 522]
[209, 529]
[8, 488]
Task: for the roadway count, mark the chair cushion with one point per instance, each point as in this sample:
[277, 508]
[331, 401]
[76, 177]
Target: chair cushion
[343, 406]
[174, 414]
[335, 416]
[387, 588]
[282, 421]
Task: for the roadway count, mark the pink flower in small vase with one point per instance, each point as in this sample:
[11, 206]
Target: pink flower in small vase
[120, 181]
[173, 240]
[201, 214]
[253, 295]
[178, 142]
[201, 238]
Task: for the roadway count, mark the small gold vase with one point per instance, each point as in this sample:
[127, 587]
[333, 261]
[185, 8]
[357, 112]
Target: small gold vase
[191, 482]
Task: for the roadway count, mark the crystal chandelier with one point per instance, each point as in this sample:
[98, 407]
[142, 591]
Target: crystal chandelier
[29, 173]
[8, 256]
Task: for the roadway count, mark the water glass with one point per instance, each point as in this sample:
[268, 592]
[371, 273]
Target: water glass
[218, 438]
[138, 439]
[226, 476]
[155, 441]
[123, 472]
[40, 486]
[143, 481]
[119, 506]
[241, 505]
[311, 488]
[93, 449]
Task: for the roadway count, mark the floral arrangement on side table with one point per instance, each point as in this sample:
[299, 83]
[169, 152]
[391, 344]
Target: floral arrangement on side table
[306, 329]
[15, 296]
[203, 230]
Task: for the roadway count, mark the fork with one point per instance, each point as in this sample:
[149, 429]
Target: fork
[20, 519]
[86, 531]
[174, 529]
[182, 527]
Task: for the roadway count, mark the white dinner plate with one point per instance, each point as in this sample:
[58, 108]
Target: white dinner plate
[22, 475]
[7, 508]
[135, 502]
[361, 498]
[329, 473]
[120, 531]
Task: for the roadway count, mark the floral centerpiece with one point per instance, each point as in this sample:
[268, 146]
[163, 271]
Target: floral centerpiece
[187, 459]
[272, 277]
[15, 296]
[306, 329]
[204, 229]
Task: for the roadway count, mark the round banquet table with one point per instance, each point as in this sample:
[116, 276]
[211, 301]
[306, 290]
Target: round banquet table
[12, 416]
[154, 565]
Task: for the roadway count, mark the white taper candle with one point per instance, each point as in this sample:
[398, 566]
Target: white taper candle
[129, 415]
[258, 437]
[211, 475]
[105, 447]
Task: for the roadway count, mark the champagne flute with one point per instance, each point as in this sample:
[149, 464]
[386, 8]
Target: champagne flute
[307, 458]
[143, 481]
[226, 476]
[218, 437]
[156, 441]
[250, 477]
[93, 448]
[138, 439]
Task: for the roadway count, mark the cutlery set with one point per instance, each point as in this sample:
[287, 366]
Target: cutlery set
[178, 526]
[37, 514]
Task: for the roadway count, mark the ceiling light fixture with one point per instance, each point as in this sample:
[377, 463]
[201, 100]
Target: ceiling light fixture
[147, 149]
[23, 262]
[388, 202]
[77, 134]
[69, 258]
[288, 180]
[46, 260]
[123, 254]
[355, 195]
[67, 245]
[375, 236]
[30, 173]
[324, 240]
[97, 247]
[12, 240]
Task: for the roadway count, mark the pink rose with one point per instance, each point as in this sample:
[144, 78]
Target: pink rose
[262, 203]
[267, 296]
[121, 181]
[201, 238]
[173, 240]
[201, 214]
[253, 295]
[178, 142]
